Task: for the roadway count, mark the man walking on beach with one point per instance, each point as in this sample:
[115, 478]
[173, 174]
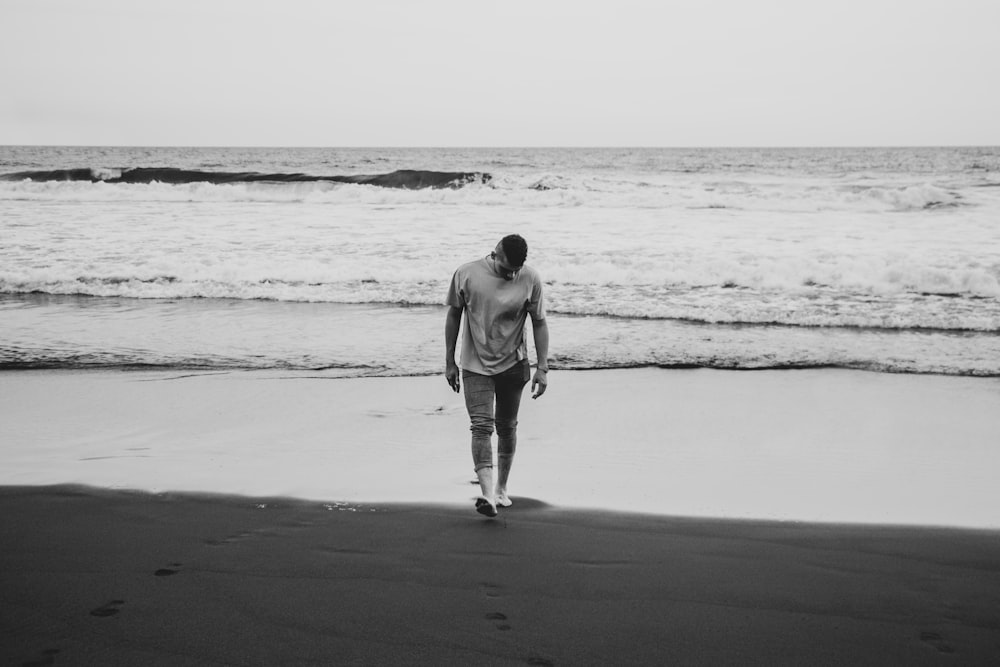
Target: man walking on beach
[497, 294]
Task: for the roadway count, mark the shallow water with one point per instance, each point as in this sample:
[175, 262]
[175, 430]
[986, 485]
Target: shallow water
[349, 340]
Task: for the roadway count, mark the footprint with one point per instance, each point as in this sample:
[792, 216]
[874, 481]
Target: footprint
[541, 662]
[490, 590]
[167, 571]
[235, 537]
[937, 641]
[497, 616]
[107, 609]
[49, 658]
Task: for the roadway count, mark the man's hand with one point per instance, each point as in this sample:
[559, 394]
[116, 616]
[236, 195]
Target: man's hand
[451, 323]
[539, 383]
[451, 374]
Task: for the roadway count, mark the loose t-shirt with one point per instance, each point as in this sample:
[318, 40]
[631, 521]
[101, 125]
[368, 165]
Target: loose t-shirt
[495, 314]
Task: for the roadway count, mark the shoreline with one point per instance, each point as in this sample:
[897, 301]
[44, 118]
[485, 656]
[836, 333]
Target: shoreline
[77, 332]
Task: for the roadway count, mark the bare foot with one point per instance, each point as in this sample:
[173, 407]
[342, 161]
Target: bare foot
[485, 507]
[503, 500]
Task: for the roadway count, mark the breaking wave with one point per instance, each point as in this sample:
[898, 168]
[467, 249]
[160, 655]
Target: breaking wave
[408, 179]
[481, 188]
[815, 307]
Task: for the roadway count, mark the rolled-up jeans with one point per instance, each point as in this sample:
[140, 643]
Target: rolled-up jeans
[481, 393]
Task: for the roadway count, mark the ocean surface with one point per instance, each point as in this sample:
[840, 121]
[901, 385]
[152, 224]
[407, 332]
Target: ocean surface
[337, 260]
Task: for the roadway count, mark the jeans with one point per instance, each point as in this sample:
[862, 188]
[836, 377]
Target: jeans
[481, 391]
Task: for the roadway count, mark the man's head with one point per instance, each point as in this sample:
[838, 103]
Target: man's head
[515, 250]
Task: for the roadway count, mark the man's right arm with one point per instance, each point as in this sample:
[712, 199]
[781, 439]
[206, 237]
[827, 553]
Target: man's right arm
[452, 321]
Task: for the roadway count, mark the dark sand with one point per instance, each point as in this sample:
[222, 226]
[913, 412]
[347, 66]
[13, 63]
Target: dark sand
[92, 577]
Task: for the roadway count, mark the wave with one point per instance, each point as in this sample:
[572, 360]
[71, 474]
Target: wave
[111, 362]
[607, 283]
[717, 306]
[529, 189]
[749, 365]
[863, 322]
[121, 362]
[407, 179]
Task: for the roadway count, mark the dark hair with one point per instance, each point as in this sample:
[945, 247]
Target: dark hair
[515, 249]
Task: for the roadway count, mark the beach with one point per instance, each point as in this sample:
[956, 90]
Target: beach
[769, 435]
[228, 518]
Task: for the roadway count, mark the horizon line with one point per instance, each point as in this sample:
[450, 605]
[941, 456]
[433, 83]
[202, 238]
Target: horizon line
[509, 147]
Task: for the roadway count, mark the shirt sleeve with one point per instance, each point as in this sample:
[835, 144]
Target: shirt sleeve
[456, 297]
[536, 302]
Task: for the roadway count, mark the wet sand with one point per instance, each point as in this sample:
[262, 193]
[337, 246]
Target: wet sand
[814, 445]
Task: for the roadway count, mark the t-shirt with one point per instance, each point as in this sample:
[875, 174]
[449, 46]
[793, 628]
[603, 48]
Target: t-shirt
[495, 314]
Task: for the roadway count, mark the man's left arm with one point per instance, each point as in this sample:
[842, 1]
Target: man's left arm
[540, 383]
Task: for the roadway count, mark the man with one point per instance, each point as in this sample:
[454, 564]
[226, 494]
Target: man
[497, 294]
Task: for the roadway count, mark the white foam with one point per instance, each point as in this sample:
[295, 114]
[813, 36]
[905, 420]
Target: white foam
[106, 173]
[819, 290]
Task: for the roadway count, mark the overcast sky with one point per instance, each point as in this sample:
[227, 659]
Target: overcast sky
[504, 73]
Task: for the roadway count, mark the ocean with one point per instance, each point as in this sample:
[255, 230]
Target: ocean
[337, 261]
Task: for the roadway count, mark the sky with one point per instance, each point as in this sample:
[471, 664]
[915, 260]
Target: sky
[510, 73]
